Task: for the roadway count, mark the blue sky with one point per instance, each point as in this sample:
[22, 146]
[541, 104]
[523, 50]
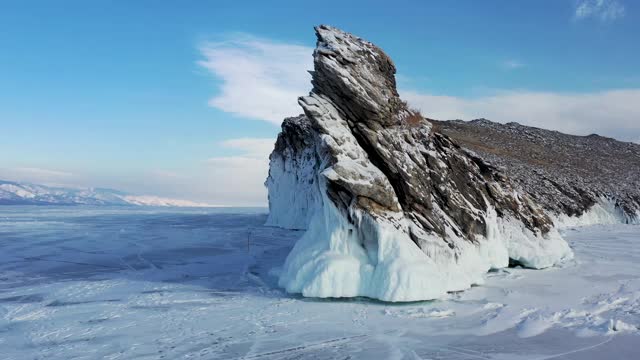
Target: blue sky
[183, 99]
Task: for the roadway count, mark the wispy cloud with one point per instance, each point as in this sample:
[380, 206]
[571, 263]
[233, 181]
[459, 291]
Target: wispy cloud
[252, 147]
[166, 174]
[37, 175]
[603, 10]
[261, 79]
[512, 64]
[252, 151]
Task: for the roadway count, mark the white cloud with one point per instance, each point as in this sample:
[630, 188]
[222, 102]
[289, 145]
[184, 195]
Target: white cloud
[261, 79]
[512, 64]
[166, 174]
[603, 10]
[37, 175]
[613, 113]
[254, 147]
[253, 151]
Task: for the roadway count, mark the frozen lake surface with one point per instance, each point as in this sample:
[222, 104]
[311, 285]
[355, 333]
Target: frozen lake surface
[135, 283]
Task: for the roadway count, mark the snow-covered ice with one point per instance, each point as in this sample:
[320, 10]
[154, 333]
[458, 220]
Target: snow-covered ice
[122, 283]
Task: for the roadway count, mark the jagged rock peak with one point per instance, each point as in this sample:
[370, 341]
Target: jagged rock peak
[426, 172]
[357, 76]
[394, 210]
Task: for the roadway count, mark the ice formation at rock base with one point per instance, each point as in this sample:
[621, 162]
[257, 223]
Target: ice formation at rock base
[331, 261]
[292, 182]
[604, 212]
[393, 210]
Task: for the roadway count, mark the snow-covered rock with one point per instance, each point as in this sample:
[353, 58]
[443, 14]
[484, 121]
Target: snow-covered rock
[578, 180]
[292, 180]
[394, 210]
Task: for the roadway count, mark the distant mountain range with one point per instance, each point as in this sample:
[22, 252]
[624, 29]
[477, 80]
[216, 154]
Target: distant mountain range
[17, 193]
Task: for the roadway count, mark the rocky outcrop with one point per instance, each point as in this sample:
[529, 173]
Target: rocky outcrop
[576, 179]
[292, 181]
[394, 210]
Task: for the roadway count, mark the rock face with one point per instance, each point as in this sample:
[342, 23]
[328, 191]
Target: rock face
[394, 210]
[292, 181]
[590, 177]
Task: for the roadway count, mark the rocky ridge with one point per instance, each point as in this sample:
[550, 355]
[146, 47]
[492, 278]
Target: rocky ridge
[566, 174]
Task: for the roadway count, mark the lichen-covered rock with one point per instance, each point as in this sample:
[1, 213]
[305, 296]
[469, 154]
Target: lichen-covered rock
[399, 211]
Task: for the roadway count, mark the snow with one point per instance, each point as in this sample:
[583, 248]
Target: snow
[293, 189]
[376, 258]
[17, 191]
[122, 283]
[341, 267]
[13, 193]
[148, 200]
[529, 249]
[604, 211]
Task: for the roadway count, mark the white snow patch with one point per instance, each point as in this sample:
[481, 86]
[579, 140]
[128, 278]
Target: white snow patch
[17, 191]
[531, 250]
[603, 212]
